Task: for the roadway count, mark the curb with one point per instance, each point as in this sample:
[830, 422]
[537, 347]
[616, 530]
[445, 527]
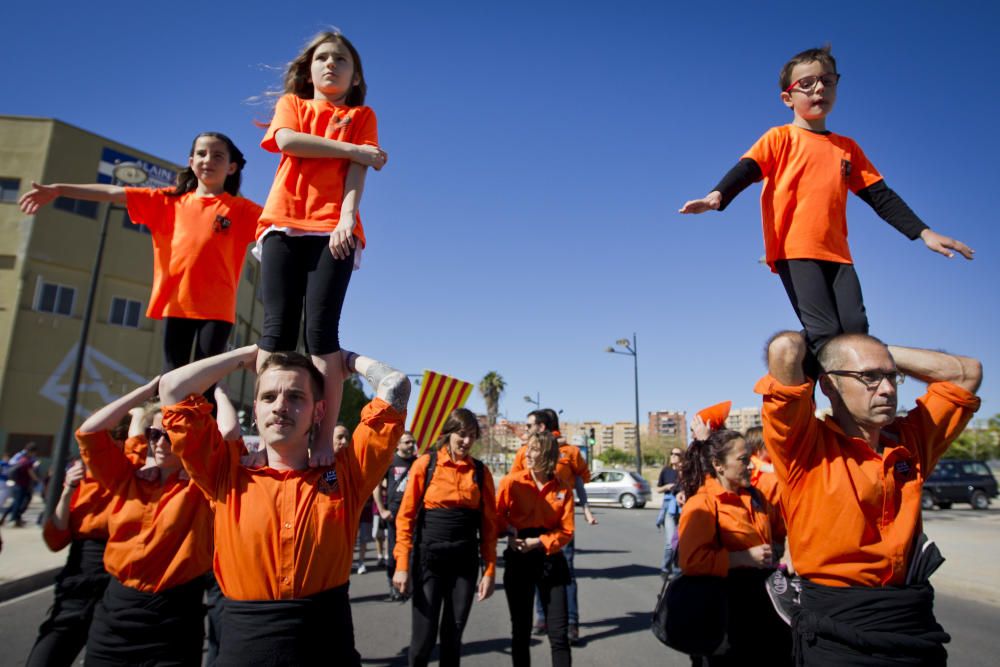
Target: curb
[29, 584]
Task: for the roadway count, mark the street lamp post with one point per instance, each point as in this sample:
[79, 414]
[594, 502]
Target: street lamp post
[129, 173]
[632, 350]
[537, 400]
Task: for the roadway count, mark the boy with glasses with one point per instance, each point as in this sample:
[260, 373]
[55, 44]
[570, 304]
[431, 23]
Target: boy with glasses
[807, 172]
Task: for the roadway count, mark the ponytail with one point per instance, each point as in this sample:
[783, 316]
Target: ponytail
[701, 456]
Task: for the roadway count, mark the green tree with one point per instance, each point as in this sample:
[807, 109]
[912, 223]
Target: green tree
[353, 402]
[491, 387]
[980, 440]
[613, 456]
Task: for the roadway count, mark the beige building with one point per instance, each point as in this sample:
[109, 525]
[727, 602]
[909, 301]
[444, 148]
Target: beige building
[669, 427]
[743, 418]
[46, 262]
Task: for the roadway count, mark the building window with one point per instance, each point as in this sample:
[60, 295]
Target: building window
[125, 312]
[9, 187]
[52, 298]
[87, 209]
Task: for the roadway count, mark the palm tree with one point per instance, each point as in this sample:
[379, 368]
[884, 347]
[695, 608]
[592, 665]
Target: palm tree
[491, 387]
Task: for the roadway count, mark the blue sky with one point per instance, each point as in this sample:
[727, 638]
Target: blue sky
[539, 152]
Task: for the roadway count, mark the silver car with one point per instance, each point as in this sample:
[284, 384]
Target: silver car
[622, 487]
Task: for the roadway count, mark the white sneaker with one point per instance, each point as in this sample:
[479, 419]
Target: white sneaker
[362, 569]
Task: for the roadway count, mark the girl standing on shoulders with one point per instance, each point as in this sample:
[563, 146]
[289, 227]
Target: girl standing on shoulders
[201, 229]
[537, 510]
[310, 234]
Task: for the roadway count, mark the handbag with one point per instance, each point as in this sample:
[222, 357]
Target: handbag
[692, 612]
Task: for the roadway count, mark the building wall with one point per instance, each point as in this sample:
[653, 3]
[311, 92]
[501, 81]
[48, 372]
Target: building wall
[743, 419]
[37, 349]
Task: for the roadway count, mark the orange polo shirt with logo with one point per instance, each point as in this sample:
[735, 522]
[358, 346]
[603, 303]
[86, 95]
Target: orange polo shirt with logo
[308, 192]
[853, 513]
[282, 534]
[570, 465]
[521, 504]
[453, 486]
[160, 534]
[199, 244]
[803, 204]
[715, 522]
[90, 505]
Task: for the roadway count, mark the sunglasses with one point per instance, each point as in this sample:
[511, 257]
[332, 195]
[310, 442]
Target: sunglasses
[153, 434]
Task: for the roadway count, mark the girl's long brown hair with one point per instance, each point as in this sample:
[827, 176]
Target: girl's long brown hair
[700, 457]
[299, 82]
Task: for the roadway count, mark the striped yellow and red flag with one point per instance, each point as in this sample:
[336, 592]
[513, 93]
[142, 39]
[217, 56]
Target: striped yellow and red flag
[439, 395]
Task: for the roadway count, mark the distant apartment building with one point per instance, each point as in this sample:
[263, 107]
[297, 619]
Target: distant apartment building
[46, 261]
[743, 418]
[668, 427]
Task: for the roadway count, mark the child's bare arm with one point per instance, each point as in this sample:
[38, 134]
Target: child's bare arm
[739, 178]
[945, 244]
[303, 144]
[42, 194]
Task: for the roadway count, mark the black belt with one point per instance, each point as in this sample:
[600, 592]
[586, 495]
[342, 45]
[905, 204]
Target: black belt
[278, 633]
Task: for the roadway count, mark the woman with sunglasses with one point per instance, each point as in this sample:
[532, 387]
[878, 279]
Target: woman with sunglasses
[159, 546]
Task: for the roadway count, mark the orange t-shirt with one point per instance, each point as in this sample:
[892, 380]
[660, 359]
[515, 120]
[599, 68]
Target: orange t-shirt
[160, 535]
[307, 192]
[198, 248]
[742, 523]
[570, 465]
[521, 504]
[452, 487]
[853, 513]
[90, 505]
[803, 203]
[283, 535]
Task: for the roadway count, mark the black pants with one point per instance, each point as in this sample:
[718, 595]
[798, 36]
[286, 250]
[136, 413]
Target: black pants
[143, 629]
[826, 297]
[447, 581]
[79, 587]
[756, 634]
[390, 546]
[317, 630]
[297, 269]
[208, 337]
[20, 499]
[214, 600]
[522, 573]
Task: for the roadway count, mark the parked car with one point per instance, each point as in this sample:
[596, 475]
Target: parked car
[622, 487]
[955, 481]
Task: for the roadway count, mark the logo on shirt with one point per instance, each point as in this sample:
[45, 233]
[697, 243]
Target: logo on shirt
[903, 468]
[328, 483]
[221, 224]
[339, 121]
[845, 169]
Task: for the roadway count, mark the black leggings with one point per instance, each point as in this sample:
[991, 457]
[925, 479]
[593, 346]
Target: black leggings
[522, 573]
[826, 297]
[297, 269]
[451, 585]
[208, 337]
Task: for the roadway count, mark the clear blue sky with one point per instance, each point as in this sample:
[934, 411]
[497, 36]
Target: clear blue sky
[539, 152]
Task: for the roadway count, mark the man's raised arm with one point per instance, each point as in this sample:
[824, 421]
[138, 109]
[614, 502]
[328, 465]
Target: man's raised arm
[196, 377]
[785, 353]
[930, 366]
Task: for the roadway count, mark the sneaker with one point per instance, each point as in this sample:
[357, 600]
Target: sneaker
[574, 634]
[541, 628]
[362, 569]
[784, 593]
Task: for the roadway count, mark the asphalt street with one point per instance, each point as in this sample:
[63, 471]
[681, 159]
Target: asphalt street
[617, 565]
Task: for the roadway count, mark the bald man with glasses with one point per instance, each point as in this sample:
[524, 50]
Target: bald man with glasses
[851, 487]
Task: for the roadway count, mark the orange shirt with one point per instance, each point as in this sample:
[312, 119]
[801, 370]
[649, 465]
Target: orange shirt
[803, 203]
[307, 192]
[452, 487]
[853, 513]
[160, 535]
[521, 504]
[198, 248]
[90, 505]
[283, 535]
[570, 465]
[713, 514]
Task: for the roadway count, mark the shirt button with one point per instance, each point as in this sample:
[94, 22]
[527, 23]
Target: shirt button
[288, 525]
[284, 580]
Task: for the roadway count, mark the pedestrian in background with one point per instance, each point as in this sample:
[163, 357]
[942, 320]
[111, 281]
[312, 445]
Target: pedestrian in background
[670, 511]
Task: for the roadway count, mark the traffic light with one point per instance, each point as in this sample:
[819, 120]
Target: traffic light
[592, 438]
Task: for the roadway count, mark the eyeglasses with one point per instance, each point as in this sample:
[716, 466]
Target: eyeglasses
[872, 379]
[807, 83]
[153, 434]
